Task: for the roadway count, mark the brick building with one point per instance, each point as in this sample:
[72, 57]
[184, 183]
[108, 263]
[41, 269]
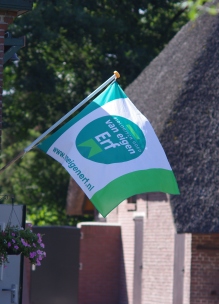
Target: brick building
[169, 248]
[155, 248]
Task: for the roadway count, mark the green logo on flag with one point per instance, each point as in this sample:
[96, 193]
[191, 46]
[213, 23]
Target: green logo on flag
[111, 139]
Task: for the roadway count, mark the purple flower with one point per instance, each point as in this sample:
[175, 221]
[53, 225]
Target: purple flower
[32, 255]
[39, 238]
[38, 263]
[42, 245]
[24, 243]
[13, 240]
[9, 244]
[16, 247]
[13, 234]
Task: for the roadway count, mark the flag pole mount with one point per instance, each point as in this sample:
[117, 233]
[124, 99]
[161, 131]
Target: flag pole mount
[117, 75]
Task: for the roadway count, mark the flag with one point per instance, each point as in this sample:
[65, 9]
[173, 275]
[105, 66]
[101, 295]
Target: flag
[111, 151]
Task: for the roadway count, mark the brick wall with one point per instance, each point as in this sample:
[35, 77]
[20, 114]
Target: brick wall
[158, 253]
[100, 253]
[158, 249]
[26, 282]
[6, 18]
[205, 269]
[125, 218]
[201, 257]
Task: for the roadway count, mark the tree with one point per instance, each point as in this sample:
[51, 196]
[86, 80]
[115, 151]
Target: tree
[72, 47]
[198, 7]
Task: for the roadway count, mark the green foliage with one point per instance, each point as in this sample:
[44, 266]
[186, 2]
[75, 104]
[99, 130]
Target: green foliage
[196, 8]
[72, 47]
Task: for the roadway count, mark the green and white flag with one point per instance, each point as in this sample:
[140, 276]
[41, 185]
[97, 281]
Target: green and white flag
[111, 151]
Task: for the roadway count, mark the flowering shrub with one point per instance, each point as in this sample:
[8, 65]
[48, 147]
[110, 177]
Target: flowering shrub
[16, 240]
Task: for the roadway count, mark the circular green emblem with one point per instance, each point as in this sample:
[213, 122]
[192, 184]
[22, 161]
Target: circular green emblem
[111, 139]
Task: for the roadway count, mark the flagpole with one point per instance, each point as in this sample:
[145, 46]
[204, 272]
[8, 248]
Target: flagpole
[115, 76]
[36, 141]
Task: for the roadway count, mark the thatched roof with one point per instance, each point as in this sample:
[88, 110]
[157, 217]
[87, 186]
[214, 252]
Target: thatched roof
[179, 93]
